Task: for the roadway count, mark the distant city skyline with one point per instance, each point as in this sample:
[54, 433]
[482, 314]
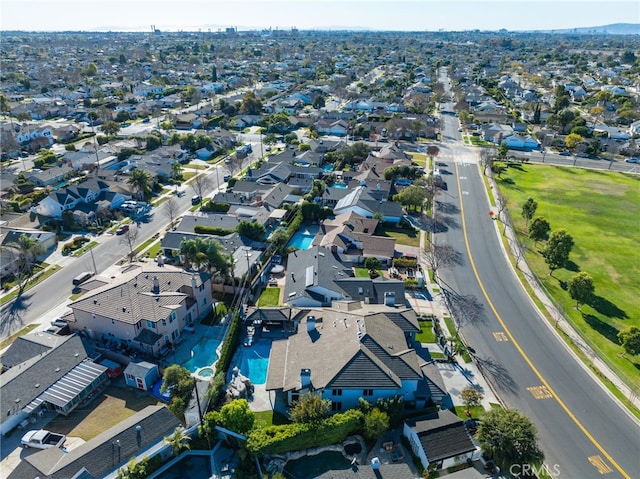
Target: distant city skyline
[403, 15]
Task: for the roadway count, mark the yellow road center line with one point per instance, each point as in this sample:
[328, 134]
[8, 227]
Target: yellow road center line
[518, 347]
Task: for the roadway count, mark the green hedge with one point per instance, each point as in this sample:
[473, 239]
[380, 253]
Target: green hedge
[410, 283]
[212, 230]
[230, 345]
[405, 263]
[297, 436]
[215, 206]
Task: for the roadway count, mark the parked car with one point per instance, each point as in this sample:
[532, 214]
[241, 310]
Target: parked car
[122, 230]
[632, 160]
[582, 155]
[227, 177]
[564, 153]
[42, 439]
[82, 277]
[195, 200]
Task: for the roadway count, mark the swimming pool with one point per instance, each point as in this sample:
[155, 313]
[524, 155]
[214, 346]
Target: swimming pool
[340, 186]
[203, 355]
[254, 361]
[303, 238]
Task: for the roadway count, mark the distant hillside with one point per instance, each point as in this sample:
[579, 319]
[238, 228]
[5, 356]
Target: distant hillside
[613, 29]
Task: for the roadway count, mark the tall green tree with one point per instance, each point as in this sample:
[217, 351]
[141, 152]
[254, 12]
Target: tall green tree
[376, 423]
[509, 437]
[207, 255]
[557, 250]
[140, 180]
[180, 383]
[503, 151]
[412, 197]
[25, 251]
[252, 230]
[529, 209]
[237, 416]
[471, 397]
[310, 407]
[110, 128]
[630, 339]
[581, 288]
[539, 229]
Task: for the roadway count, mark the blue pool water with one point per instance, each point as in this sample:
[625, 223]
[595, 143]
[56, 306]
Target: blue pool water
[303, 238]
[203, 354]
[341, 186]
[328, 167]
[254, 361]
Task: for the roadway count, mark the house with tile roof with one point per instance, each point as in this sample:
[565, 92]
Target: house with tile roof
[146, 308]
[440, 439]
[344, 354]
[105, 453]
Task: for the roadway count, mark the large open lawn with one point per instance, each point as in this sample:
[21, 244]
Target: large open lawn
[601, 211]
[409, 237]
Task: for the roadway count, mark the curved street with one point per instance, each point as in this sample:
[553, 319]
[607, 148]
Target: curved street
[584, 432]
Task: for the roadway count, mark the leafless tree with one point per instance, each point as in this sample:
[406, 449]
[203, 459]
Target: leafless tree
[235, 163]
[201, 182]
[129, 238]
[487, 156]
[170, 209]
[438, 256]
[465, 309]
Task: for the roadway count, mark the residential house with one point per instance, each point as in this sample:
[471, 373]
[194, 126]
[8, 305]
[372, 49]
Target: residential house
[146, 308]
[332, 127]
[351, 237]
[316, 277]
[49, 177]
[519, 142]
[361, 201]
[105, 453]
[10, 256]
[345, 353]
[440, 440]
[495, 133]
[44, 371]
[85, 196]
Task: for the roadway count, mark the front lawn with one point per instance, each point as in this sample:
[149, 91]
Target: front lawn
[362, 272]
[409, 237]
[599, 210]
[269, 297]
[426, 334]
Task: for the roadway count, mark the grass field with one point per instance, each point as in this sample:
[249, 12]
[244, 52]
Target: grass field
[114, 405]
[269, 297]
[600, 211]
[409, 237]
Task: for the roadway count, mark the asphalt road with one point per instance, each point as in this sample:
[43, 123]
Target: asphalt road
[583, 431]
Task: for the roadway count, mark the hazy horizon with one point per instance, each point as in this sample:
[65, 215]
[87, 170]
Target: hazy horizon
[387, 15]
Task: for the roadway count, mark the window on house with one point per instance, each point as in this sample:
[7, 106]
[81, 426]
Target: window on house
[336, 406]
[367, 392]
[164, 322]
[138, 324]
[204, 301]
[360, 290]
[151, 324]
[336, 392]
[172, 317]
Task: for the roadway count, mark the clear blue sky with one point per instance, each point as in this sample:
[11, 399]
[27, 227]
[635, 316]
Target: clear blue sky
[413, 15]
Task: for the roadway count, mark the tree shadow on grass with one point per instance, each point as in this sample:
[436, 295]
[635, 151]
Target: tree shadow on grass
[571, 266]
[607, 308]
[606, 330]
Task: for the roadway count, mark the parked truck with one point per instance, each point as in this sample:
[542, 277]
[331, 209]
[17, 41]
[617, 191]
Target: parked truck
[43, 439]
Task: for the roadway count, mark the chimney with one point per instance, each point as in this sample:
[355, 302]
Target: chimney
[156, 285]
[305, 378]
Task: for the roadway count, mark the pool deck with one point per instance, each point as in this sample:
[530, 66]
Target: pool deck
[188, 340]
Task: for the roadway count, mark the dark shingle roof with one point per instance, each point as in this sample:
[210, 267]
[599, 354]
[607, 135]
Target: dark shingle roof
[395, 471]
[100, 455]
[442, 435]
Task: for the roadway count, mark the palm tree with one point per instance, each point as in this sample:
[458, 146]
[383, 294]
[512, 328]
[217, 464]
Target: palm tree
[26, 250]
[178, 441]
[141, 181]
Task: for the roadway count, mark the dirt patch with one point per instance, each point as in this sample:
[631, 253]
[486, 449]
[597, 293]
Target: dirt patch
[112, 406]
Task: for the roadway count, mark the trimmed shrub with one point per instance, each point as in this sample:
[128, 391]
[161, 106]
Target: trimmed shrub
[297, 436]
[215, 206]
[212, 230]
